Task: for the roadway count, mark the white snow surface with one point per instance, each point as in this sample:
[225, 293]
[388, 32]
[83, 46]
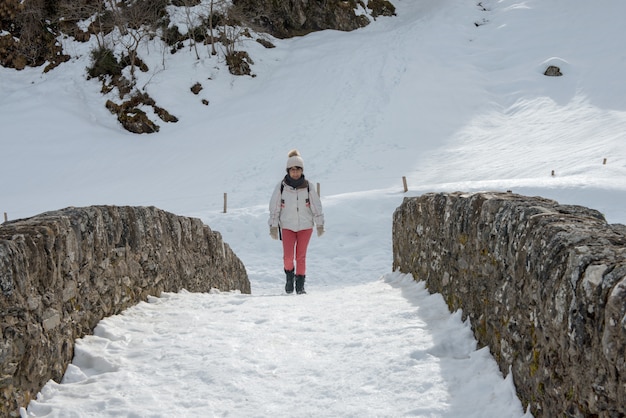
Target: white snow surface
[449, 94]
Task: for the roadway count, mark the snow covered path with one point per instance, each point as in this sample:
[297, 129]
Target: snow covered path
[363, 342]
[385, 348]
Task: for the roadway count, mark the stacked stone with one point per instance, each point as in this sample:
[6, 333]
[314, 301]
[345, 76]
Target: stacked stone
[62, 272]
[543, 284]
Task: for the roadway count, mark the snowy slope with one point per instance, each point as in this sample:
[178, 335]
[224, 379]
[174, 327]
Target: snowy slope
[450, 95]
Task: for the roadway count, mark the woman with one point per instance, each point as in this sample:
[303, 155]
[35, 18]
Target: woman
[295, 208]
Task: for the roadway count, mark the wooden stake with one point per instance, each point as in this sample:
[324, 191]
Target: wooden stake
[6, 218]
[406, 188]
[604, 162]
[225, 202]
[318, 190]
[552, 173]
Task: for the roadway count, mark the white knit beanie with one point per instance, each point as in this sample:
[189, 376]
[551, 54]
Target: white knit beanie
[294, 160]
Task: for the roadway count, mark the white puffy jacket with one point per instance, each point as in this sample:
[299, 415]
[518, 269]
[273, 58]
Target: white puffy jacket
[295, 209]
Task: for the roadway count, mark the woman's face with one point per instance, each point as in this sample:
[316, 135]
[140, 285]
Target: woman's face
[295, 172]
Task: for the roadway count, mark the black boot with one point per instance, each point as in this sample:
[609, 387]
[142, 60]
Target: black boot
[289, 283]
[300, 284]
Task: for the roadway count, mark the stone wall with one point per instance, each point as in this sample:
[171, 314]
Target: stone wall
[543, 284]
[62, 272]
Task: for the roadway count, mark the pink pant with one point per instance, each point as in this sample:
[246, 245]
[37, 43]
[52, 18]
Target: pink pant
[294, 248]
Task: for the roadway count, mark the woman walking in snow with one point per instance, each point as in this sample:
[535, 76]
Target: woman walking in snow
[295, 208]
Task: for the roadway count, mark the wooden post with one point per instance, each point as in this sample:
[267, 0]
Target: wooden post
[406, 188]
[318, 190]
[604, 162]
[6, 218]
[225, 202]
[552, 173]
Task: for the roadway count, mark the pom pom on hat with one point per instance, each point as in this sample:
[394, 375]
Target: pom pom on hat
[294, 160]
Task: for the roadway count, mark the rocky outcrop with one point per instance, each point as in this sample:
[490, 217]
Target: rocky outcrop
[543, 284]
[284, 19]
[62, 272]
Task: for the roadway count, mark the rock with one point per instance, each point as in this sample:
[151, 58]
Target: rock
[553, 71]
[285, 19]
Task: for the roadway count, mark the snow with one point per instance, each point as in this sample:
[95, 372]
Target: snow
[449, 94]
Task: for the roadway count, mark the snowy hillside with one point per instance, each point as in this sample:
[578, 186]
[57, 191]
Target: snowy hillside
[449, 94]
